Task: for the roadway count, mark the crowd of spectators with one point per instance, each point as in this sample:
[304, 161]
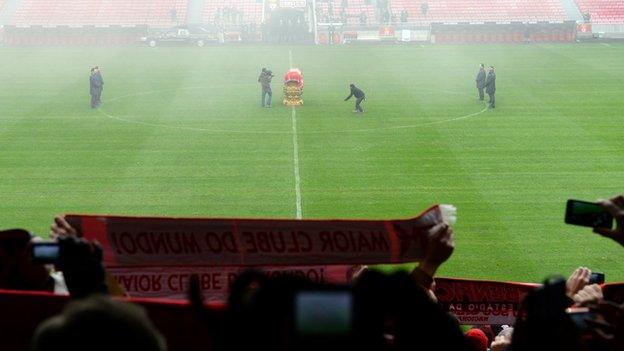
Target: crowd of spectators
[377, 312]
[383, 14]
[228, 15]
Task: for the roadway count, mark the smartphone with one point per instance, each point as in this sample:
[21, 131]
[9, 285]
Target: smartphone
[45, 252]
[587, 214]
[597, 278]
[580, 315]
[323, 313]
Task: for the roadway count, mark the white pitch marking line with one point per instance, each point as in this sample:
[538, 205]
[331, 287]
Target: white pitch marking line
[274, 132]
[270, 132]
[293, 115]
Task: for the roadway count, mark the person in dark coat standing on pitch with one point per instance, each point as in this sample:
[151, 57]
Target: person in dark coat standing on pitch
[359, 97]
[97, 85]
[265, 82]
[481, 81]
[490, 86]
[260, 78]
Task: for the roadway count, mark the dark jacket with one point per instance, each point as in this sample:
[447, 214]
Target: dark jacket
[97, 83]
[265, 81]
[480, 79]
[490, 83]
[359, 94]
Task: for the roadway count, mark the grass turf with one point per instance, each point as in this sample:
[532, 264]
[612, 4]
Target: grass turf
[181, 133]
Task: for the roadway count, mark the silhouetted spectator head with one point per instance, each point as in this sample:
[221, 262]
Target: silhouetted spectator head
[263, 317]
[98, 323]
[243, 290]
[393, 311]
[542, 322]
[17, 272]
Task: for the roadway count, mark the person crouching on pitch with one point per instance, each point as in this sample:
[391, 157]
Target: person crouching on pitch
[359, 97]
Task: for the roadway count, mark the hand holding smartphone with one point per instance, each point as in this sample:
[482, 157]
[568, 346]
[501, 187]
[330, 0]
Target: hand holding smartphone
[588, 214]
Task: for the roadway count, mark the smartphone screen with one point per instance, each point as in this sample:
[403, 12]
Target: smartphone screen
[323, 313]
[45, 252]
[587, 214]
[597, 278]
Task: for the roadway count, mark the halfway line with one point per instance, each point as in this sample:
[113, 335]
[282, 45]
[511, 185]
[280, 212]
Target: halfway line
[296, 165]
[293, 116]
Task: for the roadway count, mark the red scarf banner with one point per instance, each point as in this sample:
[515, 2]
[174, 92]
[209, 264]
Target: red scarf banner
[158, 242]
[481, 302]
[173, 282]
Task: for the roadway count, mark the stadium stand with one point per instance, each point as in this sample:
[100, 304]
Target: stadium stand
[156, 13]
[445, 11]
[356, 12]
[481, 11]
[603, 11]
[233, 11]
[356, 9]
[322, 11]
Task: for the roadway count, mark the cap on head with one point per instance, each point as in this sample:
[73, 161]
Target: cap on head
[476, 340]
[352, 85]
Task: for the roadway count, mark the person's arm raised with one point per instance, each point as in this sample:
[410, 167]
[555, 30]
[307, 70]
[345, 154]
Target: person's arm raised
[440, 246]
[60, 228]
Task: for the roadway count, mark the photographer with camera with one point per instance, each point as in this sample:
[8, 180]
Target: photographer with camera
[17, 271]
[79, 261]
[265, 82]
[26, 263]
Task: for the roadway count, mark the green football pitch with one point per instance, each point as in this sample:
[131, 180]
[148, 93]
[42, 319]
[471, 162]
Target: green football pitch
[181, 132]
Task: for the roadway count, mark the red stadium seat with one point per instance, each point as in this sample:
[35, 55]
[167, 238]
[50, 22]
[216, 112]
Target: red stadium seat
[452, 11]
[155, 13]
[603, 11]
[249, 11]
